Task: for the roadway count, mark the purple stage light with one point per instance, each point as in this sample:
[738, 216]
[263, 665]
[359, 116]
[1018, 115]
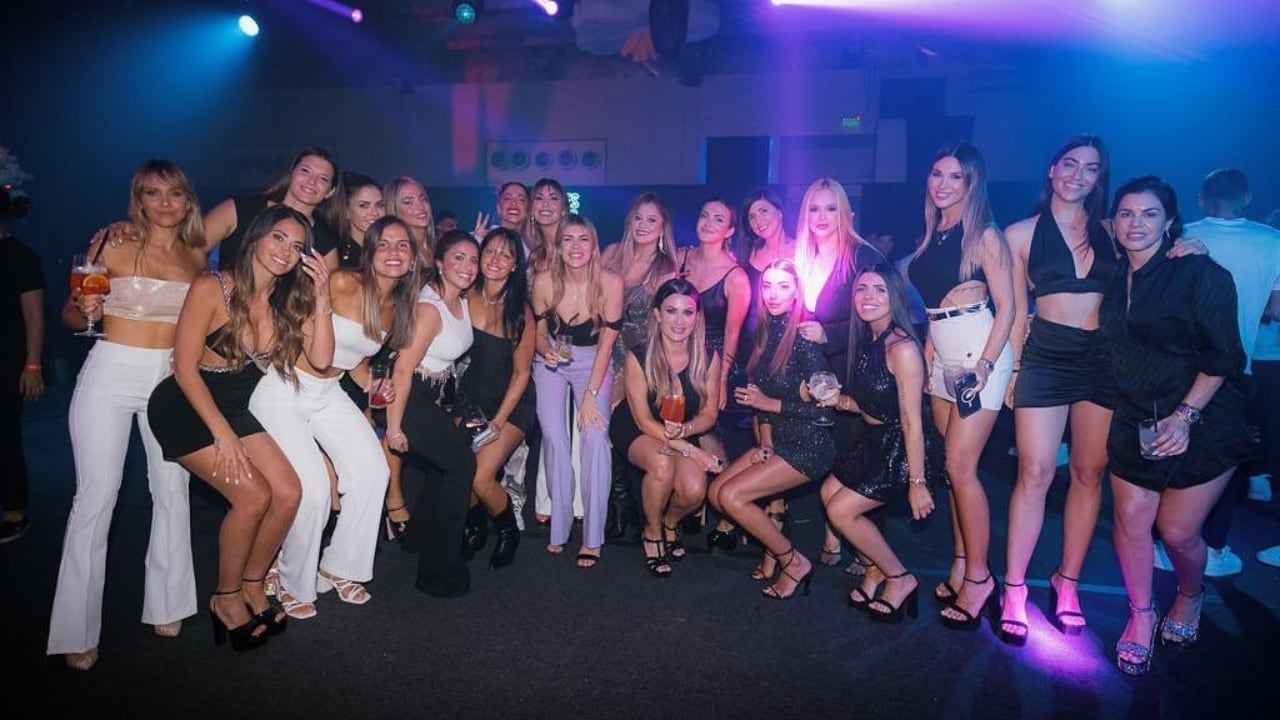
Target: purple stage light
[357, 16]
[550, 7]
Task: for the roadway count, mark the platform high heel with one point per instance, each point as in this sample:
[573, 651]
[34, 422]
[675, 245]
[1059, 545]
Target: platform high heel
[242, 637]
[971, 621]
[272, 618]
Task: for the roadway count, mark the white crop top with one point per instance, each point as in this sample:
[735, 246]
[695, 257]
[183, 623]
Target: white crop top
[350, 345]
[455, 336]
[145, 299]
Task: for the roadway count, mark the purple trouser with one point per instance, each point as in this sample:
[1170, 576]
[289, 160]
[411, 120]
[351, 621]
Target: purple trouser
[552, 386]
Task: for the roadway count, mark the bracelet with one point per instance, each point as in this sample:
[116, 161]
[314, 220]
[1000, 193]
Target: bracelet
[985, 363]
[595, 391]
[915, 480]
[32, 366]
[686, 452]
[1189, 414]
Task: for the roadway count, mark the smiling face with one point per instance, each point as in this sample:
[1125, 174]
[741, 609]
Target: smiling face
[677, 316]
[871, 298]
[646, 224]
[459, 264]
[548, 205]
[1076, 174]
[576, 246]
[393, 255]
[363, 207]
[715, 222]
[163, 202]
[947, 186]
[513, 206]
[497, 260]
[312, 180]
[279, 251]
[765, 219]
[778, 291]
[824, 214]
[1140, 222]
[413, 206]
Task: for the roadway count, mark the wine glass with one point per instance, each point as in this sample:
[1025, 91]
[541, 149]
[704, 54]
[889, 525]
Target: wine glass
[89, 276]
[671, 410]
[824, 386]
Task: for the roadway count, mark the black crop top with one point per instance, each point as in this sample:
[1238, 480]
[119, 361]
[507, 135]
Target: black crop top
[249, 207]
[715, 307]
[937, 270]
[1052, 269]
[581, 335]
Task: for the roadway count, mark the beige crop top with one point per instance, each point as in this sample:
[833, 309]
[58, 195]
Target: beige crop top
[145, 299]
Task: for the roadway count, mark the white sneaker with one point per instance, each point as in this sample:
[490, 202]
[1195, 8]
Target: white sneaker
[1222, 563]
[1270, 556]
[1260, 488]
[1162, 558]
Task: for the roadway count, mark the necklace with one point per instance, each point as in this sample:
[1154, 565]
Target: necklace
[496, 301]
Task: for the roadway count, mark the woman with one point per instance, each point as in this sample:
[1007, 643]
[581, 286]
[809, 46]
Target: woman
[371, 308]
[407, 199]
[643, 259]
[676, 360]
[792, 450]
[420, 429]
[151, 272]
[829, 251]
[763, 240]
[723, 289]
[896, 451]
[581, 303]
[550, 205]
[313, 187]
[1177, 358]
[364, 205]
[961, 269]
[263, 314]
[497, 384]
[1064, 257]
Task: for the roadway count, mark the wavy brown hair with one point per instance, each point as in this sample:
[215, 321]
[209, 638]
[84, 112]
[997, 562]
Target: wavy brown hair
[595, 292]
[797, 315]
[291, 300]
[657, 371]
[330, 208]
[539, 259]
[665, 262]
[404, 293]
[391, 196]
[976, 215]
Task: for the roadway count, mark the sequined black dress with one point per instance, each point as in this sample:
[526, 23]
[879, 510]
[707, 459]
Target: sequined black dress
[876, 466]
[804, 446]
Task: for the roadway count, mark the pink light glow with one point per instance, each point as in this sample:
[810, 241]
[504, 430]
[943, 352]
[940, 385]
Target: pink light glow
[357, 16]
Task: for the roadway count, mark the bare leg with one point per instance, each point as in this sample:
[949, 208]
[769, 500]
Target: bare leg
[948, 589]
[737, 494]
[487, 486]
[1135, 514]
[965, 440]
[1181, 519]
[1089, 427]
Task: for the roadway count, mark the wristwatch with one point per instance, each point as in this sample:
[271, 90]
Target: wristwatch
[985, 363]
[686, 451]
[1188, 413]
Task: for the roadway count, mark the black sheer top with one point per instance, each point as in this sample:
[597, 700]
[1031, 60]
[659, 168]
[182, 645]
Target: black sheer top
[1177, 320]
[937, 270]
[872, 386]
[1051, 268]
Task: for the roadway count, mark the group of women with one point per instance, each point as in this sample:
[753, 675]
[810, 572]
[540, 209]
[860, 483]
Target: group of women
[256, 379]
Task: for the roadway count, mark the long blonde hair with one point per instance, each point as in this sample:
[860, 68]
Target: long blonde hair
[595, 291]
[806, 246]
[664, 264]
[391, 196]
[797, 315]
[657, 371]
[976, 216]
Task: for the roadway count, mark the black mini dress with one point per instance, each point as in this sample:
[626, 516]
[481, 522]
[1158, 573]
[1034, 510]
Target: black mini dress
[876, 465]
[489, 373]
[623, 429]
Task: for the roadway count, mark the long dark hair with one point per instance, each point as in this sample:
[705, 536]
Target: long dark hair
[797, 315]
[330, 209]
[1163, 192]
[976, 218]
[1095, 203]
[515, 292]
[748, 241]
[404, 293]
[899, 309]
[435, 274]
[292, 299]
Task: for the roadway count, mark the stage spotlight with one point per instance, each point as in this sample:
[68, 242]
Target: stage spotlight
[357, 16]
[466, 12]
[550, 7]
[248, 25]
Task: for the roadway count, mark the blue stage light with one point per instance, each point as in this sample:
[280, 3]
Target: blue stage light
[248, 25]
[467, 12]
